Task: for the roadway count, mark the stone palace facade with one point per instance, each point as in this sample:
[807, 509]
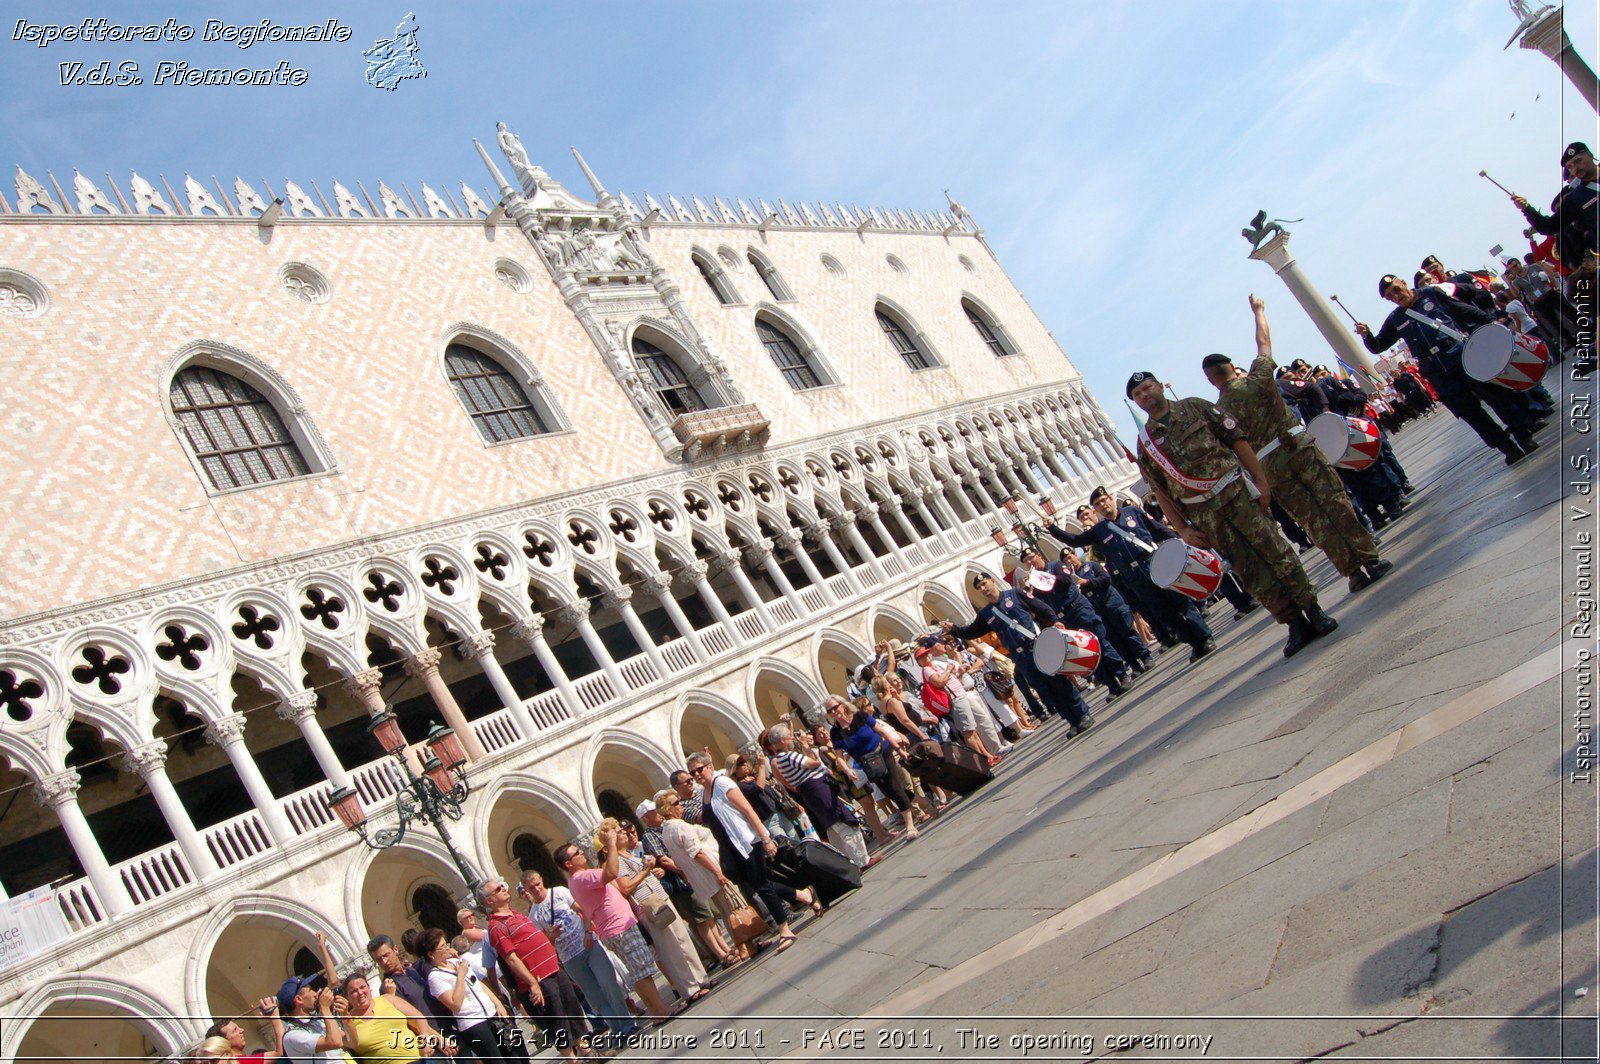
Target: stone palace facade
[590, 482]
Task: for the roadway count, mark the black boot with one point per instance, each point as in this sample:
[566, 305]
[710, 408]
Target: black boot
[1299, 636]
[1513, 453]
[1319, 623]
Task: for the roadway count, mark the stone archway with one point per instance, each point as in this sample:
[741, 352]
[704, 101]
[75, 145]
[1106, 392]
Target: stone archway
[624, 771]
[940, 604]
[890, 623]
[88, 1019]
[523, 826]
[252, 956]
[400, 888]
[838, 656]
[778, 689]
[711, 722]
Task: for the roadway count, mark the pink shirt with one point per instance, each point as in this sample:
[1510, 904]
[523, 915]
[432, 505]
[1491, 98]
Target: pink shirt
[605, 905]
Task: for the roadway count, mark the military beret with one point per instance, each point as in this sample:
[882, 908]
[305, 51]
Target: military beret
[1388, 279]
[978, 579]
[1573, 150]
[1215, 360]
[1137, 379]
[1099, 493]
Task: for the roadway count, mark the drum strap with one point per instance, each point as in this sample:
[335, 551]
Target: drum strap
[1011, 623]
[1131, 538]
[1172, 471]
[1455, 334]
[1278, 441]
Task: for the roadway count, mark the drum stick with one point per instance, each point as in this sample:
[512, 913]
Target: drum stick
[1484, 174]
[1346, 310]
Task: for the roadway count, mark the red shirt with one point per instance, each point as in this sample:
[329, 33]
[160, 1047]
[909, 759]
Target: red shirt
[511, 932]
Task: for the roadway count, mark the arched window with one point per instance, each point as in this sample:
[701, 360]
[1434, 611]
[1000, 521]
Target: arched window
[500, 406]
[435, 908]
[533, 855]
[235, 432]
[993, 337]
[904, 346]
[667, 379]
[769, 277]
[716, 279]
[788, 357]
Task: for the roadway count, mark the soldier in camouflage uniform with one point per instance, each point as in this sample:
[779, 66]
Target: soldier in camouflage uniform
[1303, 482]
[1193, 452]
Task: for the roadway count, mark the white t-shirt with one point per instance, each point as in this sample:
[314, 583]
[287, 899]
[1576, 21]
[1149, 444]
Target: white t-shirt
[734, 822]
[300, 1043]
[475, 1005]
[1520, 315]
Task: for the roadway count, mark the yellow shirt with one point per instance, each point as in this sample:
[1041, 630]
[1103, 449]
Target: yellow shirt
[384, 1036]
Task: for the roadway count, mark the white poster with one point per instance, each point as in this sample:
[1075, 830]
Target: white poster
[29, 923]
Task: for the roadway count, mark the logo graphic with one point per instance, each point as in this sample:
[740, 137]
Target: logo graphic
[393, 61]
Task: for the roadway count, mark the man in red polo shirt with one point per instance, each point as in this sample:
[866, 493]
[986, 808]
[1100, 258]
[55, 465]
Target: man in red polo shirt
[547, 993]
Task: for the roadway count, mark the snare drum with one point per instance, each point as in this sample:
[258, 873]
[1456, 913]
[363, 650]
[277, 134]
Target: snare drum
[1066, 653]
[1187, 570]
[1347, 442]
[1514, 360]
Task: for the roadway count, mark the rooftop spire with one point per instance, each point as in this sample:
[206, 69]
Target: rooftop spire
[500, 183]
[601, 195]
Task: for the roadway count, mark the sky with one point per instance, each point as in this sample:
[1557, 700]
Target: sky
[1111, 151]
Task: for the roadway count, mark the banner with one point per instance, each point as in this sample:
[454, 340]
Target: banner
[29, 923]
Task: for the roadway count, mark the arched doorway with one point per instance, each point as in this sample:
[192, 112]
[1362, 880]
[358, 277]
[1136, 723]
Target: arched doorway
[715, 724]
[405, 886]
[523, 829]
[839, 657]
[626, 773]
[76, 1031]
[779, 691]
[253, 956]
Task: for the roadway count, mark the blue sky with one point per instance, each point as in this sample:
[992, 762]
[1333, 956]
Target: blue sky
[1111, 151]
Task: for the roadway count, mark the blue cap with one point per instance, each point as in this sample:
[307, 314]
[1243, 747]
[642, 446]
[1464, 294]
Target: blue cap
[290, 988]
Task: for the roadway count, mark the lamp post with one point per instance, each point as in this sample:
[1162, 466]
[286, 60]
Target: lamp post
[1027, 532]
[436, 796]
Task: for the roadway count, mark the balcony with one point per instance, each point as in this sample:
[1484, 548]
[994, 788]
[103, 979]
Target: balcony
[725, 430]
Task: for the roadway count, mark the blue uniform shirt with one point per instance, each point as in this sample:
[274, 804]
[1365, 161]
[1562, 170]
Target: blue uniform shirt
[1123, 558]
[1014, 619]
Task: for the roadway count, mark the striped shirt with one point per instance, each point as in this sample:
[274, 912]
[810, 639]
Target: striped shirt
[794, 770]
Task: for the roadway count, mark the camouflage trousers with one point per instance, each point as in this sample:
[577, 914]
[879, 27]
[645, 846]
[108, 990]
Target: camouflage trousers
[1260, 556]
[1305, 484]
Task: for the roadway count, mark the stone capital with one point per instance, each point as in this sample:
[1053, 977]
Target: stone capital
[225, 731]
[842, 522]
[791, 538]
[695, 570]
[57, 790]
[818, 530]
[424, 663]
[298, 706]
[530, 630]
[758, 552]
[659, 583]
[146, 760]
[616, 597]
[476, 645]
[365, 684]
[869, 511]
[892, 505]
[575, 612]
[728, 559]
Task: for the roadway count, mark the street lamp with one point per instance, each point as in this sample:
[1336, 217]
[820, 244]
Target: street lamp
[436, 796]
[1027, 532]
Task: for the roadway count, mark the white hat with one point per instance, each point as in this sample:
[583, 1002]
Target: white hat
[646, 806]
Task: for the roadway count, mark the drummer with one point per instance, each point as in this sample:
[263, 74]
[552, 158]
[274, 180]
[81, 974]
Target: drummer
[1056, 586]
[1126, 539]
[1096, 584]
[1016, 620]
[1417, 319]
[1193, 452]
[1302, 480]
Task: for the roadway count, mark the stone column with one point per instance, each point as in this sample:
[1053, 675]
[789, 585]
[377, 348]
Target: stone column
[300, 709]
[228, 733]
[936, 512]
[425, 667]
[578, 613]
[696, 571]
[761, 553]
[1345, 343]
[367, 688]
[822, 532]
[731, 561]
[149, 763]
[964, 508]
[60, 794]
[531, 631]
[619, 599]
[660, 585]
[1546, 33]
[985, 512]
[859, 542]
[795, 541]
[897, 510]
[873, 511]
[479, 647]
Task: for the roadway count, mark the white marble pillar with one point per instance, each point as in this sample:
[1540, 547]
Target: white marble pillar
[300, 709]
[367, 687]
[1340, 337]
[660, 585]
[577, 613]
[731, 561]
[795, 541]
[761, 554]
[620, 599]
[859, 542]
[531, 631]
[822, 532]
[1545, 32]
[59, 793]
[425, 667]
[479, 647]
[897, 511]
[149, 763]
[696, 571]
[873, 512]
[228, 733]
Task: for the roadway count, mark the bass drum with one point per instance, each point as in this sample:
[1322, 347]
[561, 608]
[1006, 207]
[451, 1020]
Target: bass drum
[1066, 653]
[1494, 354]
[1346, 442]
[1187, 570]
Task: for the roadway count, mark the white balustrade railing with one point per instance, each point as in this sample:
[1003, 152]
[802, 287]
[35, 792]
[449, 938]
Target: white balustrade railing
[595, 690]
[783, 611]
[892, 564]
[307, 810]
[153, 874]
[840, 586]
[716, 640]
[378, 781]
[974, 530]
[749, 625]
[549, 708]
[238, 839]
[497, 731]
[679, 655]
[812, 597]
[79, 906]
[916, 555]
[639, 671]
[864, 574]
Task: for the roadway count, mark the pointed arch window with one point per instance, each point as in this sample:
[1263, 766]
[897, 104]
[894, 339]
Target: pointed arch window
[234, 431]
[989, 331]
[499, 405]
[796, 368]
[716, 279]
[667, 379]
[900, 339]
[770, 277]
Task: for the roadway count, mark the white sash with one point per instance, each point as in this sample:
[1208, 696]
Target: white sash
[1455, 334]
[1192, 483]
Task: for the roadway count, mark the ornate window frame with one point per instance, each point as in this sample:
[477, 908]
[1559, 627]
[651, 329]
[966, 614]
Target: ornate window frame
[975, 309]
[908, 325]
[715, 274]
[512, 359]
[805, 339]
[776, 287]
[225, 358]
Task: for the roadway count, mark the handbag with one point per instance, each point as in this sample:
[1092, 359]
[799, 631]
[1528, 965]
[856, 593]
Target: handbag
[936, 700]
[659, 912]
[744, 923]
